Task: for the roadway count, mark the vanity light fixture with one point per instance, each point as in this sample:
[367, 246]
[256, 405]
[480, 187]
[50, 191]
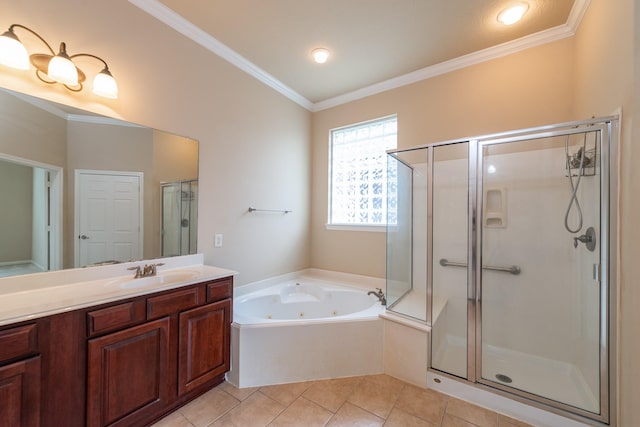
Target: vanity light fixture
[320, 55]
[54, 68]
[513, 13]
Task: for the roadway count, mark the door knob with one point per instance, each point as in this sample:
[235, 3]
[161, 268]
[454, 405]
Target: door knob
[83, 237]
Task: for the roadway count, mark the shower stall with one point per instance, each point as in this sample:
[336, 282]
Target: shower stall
[504, 245]
[179, 217]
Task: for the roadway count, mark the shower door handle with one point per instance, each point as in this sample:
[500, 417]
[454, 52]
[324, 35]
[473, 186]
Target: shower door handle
[83, 237]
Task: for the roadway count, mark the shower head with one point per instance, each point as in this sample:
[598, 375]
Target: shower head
[579, 159]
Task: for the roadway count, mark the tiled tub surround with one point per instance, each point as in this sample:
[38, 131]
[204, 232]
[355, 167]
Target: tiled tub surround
[42, 294]
[290, 336]
[373, 400]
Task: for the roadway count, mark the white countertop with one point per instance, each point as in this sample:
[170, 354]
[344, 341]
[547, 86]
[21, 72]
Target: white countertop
[43, 294]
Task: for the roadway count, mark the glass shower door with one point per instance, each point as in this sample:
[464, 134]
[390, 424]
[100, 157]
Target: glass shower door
[399, 231]
[450, 255]
[179, 218]
[540, 292]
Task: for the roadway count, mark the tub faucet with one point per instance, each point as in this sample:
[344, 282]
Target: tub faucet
[379, 295]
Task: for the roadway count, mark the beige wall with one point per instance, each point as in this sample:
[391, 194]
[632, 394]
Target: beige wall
[526, 89]
[30, 133]
[16, 201]
[254, 143]
[606, 76]
[175, 158]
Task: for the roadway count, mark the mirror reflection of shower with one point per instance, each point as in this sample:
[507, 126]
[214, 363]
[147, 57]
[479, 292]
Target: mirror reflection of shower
[579, 163]
[179, 217]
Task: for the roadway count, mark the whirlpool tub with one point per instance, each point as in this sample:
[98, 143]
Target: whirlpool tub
[305, 326]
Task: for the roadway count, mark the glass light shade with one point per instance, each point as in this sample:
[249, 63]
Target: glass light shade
[105, 85]
[13, 53]
[63, 70]
[513, 14]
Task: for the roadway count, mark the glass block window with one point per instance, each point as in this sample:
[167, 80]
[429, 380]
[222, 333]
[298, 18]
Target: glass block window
[358, 166]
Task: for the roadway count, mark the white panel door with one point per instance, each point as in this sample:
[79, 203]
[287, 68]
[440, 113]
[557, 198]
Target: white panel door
[108, 217]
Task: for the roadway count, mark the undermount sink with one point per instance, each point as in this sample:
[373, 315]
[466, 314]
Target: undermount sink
[161, 278]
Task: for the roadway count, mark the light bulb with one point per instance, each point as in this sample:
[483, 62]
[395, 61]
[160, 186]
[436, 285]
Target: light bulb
[62, 69]
[513, 14]
[105, 85]
[12, 52]
[320, 55]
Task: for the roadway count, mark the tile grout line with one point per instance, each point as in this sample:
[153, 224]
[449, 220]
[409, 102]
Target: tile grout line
[286, 395]
[285, 407]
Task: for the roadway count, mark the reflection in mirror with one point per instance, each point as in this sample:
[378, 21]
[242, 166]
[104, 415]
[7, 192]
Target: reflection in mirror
[179, 213]
[81, 189]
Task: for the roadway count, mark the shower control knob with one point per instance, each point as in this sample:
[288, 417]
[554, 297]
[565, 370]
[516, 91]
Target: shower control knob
[589, 239]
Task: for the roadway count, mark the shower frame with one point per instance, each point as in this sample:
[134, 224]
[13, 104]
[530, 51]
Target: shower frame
[609, 131]
[180, 183]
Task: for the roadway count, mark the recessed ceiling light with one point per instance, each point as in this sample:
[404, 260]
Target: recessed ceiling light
[513, 14]
[320, 55]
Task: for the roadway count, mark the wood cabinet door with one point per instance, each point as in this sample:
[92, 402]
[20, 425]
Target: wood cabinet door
[20, 394]
[203, 344]
[127, 381]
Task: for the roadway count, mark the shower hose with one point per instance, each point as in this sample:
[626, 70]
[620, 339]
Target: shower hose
[574, 187]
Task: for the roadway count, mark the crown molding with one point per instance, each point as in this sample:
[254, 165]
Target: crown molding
[42, 104]
[164, 14]
[51, 108]
[577, 13]
[186, 28]
[101, 120]
[488, 54]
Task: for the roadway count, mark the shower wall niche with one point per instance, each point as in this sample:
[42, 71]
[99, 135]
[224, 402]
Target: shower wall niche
[502, 245]
[179, 217]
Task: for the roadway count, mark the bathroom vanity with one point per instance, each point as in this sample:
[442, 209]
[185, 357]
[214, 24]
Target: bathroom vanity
[138, 350]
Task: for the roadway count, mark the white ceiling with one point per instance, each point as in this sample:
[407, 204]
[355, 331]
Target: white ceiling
[375, 44]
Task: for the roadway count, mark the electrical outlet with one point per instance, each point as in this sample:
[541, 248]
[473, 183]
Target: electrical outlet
[217, 240]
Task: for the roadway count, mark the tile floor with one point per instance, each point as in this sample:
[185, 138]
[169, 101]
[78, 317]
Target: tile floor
[374, 400]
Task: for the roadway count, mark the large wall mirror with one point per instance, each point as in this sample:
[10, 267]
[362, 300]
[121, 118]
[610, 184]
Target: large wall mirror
[79, 189]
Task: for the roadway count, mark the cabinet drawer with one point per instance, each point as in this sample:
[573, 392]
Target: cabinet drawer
[174, 302]
[220, 289]
[17, 342]
[116, 317]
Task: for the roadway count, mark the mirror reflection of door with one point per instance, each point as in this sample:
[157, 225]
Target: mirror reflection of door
[28, 228]
[108, 217]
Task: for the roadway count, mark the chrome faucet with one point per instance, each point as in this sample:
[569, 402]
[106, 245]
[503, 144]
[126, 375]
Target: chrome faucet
[379, 295]
[146, 271]
[137, 270]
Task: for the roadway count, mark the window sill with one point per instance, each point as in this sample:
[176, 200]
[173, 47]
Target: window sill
[356, 227]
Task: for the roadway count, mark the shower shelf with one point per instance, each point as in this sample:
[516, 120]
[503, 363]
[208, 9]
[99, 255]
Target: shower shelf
[513, 269]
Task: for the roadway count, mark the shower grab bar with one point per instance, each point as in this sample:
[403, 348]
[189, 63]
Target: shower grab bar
[269, 210]
[514, 269]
